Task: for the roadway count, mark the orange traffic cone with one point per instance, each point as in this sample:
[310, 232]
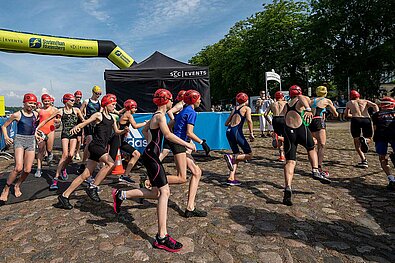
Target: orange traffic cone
[118, 165]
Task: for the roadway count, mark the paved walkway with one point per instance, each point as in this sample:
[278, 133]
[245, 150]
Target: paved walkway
[351, 220]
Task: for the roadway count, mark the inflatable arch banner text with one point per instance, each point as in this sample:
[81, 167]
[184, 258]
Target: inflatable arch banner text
[11, 41]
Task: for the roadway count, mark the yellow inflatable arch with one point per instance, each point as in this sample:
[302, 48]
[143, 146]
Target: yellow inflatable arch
[12, 41]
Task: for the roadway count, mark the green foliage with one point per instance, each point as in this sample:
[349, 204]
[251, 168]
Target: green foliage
[336, 39]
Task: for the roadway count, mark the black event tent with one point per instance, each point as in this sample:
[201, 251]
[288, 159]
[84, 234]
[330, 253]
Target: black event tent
[157, 71]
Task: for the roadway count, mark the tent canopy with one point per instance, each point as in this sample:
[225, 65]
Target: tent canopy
[157, 71]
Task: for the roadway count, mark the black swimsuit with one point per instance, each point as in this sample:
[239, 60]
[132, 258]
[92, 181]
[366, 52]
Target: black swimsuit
[150, 158]
[294, 136]
[103, 131]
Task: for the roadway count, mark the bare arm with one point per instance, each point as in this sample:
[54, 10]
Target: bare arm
[250, 124]
[57, 112]
[96, 117]
[171, 137]
[118, 131]
[192, 135]
[332, 108]
[134, 124]
[177, 108]
[79, 114]
[347, 111]
[14, 116]
[83, 108]
[373, 105]
[145, 130]
[227, 122]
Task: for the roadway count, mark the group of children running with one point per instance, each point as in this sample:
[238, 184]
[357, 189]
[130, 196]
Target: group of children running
[299, 121]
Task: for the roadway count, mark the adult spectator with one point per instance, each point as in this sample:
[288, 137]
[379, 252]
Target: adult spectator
[341, 107]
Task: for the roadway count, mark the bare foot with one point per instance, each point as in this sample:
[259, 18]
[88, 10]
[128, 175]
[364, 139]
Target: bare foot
[17, 190]
[4, 194]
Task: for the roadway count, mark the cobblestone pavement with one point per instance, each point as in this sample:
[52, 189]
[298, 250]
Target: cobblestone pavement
[350, 220]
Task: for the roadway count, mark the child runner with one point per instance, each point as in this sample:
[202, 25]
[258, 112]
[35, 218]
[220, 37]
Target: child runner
[298, 115]
[235, 136]
[88, 108]
[78, 104]
[158, 129]
[183, 128]
[126, 120]
[97, 150]
[24, 144]
[360, 122]
[172, 113]
[318, 125]
[278, 122]
[384, 127]
[45, 144]
[69, 117]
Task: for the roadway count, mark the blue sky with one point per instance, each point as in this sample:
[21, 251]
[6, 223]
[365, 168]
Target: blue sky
[177, 28]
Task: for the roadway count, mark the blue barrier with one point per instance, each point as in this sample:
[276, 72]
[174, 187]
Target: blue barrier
[209, 126]
[11, 129]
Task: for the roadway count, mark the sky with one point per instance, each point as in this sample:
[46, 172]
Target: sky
[177, 28]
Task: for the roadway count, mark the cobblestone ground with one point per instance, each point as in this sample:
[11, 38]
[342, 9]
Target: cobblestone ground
[347, 221]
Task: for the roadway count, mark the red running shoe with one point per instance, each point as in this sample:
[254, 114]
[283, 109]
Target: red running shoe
[167, 243]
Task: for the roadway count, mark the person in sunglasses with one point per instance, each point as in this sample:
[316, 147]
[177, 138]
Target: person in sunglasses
[89, 107]
[69, 116]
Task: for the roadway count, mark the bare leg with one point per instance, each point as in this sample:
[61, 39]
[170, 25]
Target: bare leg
[27, 168]
[384, 164]
[163, 154]
[238, 158]
[357, 146]
[134, 158]
[162, 209]
[14, 173]
[181, 166]
[90, 167]
[109, 165]
[194, 183]
[289, 169]
[313, 159]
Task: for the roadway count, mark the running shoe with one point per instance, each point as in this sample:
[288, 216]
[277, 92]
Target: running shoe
[90, 180]
[81, 169]
[38, 173]
[281, 159]
[54, 186]
[126, 179]
[229, 161]
[233, 182]
[64, 202]
[275, 141]
[324, 173]
[50, 157]
[287, 200]
[92, 192]
[167, 243]
[195, 213]
[77, 157]
[63, 175]
[391, 186]
[321, 178]
[364, 144]
[117, 201]
[363, 164]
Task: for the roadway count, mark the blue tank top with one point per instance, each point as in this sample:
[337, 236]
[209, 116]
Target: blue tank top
[92, 107]
[242, 119]
[26, 125]
[318, 111]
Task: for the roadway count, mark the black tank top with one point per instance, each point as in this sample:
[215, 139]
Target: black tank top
[293, 108]
[103, 131]
[157, 137]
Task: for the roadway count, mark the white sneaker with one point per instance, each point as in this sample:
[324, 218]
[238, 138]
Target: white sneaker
[50, 157]
[38, 173]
